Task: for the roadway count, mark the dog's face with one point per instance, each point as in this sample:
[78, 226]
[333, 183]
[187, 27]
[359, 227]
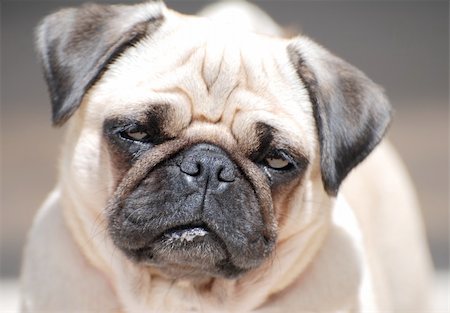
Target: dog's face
[198, 141]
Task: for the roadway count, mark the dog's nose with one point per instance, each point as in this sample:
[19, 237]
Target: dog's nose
[206, 164]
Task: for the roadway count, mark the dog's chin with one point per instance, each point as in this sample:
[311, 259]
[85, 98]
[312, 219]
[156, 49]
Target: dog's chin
[189, 252]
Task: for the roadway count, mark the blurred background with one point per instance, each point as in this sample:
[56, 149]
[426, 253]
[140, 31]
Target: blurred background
[402, 45]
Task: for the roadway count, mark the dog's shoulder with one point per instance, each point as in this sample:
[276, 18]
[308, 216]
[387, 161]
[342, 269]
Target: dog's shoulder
[53, 257]
[383, 199]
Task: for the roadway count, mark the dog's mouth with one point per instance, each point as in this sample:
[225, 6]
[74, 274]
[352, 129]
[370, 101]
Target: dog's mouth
[185, 237]
[180, 236]
[184, 234]
[187, 251]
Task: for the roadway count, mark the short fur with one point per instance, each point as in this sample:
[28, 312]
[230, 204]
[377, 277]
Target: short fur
[216, 109]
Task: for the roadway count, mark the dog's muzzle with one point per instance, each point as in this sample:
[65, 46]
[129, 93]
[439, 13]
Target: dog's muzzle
[194, 214]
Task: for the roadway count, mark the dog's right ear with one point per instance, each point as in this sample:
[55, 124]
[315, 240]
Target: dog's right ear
[76, 45]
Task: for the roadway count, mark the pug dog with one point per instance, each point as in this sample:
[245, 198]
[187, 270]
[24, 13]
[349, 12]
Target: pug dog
[205, 170]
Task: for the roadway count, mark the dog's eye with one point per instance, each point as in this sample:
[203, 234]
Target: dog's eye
[279, 160]
[277, 163]
[135, 135]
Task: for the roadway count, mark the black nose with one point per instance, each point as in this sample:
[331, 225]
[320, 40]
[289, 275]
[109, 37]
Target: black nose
[207, 164]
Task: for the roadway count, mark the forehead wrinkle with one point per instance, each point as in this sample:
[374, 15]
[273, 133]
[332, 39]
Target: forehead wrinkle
[253, 59]
[221, 57]
[263, 67]
[276, 65]
[209, 76]
[188, 57]
[219, 70]
[182, 92]
[244, 70]
[228, 71]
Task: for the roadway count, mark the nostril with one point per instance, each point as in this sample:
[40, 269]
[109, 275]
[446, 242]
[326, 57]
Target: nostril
[226, 174]
[191, 168]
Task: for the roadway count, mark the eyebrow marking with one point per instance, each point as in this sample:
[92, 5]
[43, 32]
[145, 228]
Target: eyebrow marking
[183, 93]
[265, 136]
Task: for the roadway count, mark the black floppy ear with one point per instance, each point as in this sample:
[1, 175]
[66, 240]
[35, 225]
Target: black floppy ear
[76, 45]
[351, 112]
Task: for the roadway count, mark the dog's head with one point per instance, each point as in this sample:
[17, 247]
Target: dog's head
[197, 142]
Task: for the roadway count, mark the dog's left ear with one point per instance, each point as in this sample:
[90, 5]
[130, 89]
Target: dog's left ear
[76, 45]
[351, 112]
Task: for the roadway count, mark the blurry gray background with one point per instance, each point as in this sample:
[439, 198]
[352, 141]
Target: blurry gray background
[402, 45]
